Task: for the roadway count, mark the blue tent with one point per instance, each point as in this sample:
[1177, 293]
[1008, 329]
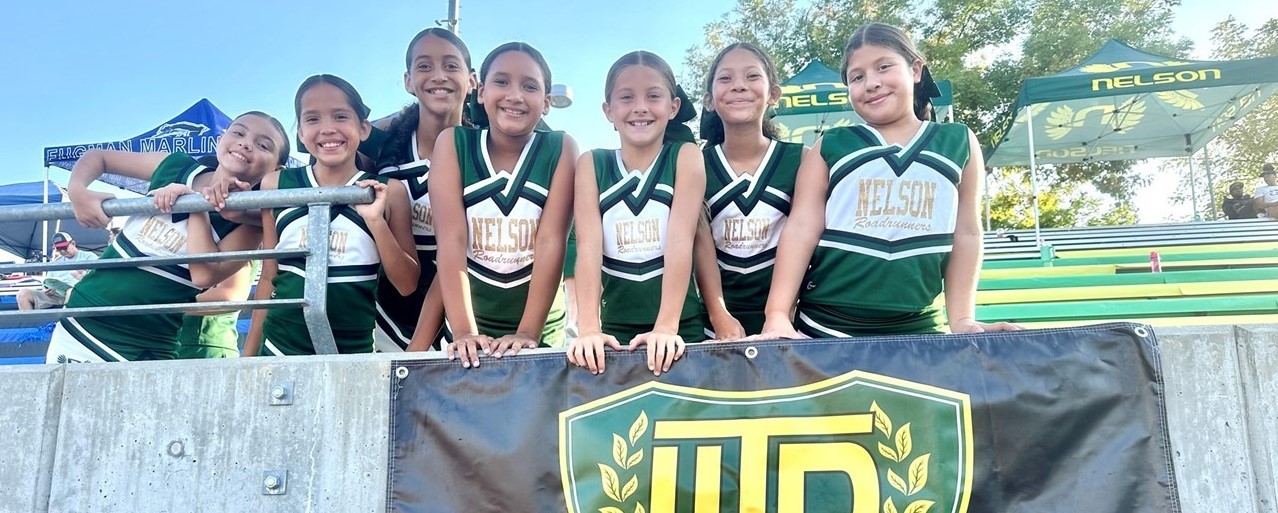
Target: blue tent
[195, 131]
[23, 238]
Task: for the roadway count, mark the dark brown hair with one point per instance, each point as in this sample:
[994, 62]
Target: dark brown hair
[711, 124]
[895, 39]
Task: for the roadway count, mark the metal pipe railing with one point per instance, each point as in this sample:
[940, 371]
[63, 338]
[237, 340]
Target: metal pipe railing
[246, 200]
[314, 304]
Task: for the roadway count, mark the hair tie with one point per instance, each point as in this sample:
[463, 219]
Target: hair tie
[475, 110]
[927, 85]
[676, 129]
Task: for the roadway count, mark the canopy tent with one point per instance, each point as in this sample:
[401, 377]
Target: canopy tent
[815, 99]
[195, 131]
[24, 238]
[1125, 104]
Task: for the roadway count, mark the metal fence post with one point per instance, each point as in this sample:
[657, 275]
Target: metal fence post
[316, 288]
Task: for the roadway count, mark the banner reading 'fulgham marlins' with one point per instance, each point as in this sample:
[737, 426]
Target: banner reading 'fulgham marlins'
[1034, 421]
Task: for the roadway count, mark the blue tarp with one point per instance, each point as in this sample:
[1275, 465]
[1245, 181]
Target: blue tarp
[23, 237]
[195, 131]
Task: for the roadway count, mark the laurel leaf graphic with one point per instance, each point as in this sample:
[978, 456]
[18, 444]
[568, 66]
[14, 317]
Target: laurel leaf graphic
[882, 422]
[918, 473]
[639, 427]
[610, 509]
[610, 486]
[620, 453]
[896, 481]
[888, 507]
[888, 453]
[904, 443]
[634, 459]
[639, 508]
[1060, 122]
[919, 506]
[1099, 68]
[629, 489]
[1186, 100]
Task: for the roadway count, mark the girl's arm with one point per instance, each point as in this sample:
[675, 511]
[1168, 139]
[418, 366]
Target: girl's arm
[710, 283]
[199, 240]
[449, 214]
[548, 263]
[664, 343]
[387, 218]
[234, 288]
[587, 350]
[266, 281]
[965, 258]
[87, 204]
[798, 240]
[430, 320]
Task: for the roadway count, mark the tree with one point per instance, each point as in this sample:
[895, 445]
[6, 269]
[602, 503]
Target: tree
[1240, 151]
[986, 47]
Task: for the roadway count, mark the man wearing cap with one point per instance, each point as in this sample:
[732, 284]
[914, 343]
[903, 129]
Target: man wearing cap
[57, 285]
[1267, 195]
[1238, 204]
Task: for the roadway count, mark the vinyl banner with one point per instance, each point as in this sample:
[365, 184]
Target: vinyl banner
[1033, 421]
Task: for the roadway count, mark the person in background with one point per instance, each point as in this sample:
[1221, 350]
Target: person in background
[1238, 204]
[1266, 197]
[56, 287]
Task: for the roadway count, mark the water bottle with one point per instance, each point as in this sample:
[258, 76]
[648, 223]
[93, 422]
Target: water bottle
[1155, 264]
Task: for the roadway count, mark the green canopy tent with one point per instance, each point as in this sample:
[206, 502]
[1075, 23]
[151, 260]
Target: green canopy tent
[815, 99]
[1125, 104]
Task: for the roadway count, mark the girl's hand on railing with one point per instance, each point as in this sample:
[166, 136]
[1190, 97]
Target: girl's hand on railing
[372, 212]
[166, 196]
[587, 350]
[87, 206]
[663, 349]
[215, 193]
[512, 343]
[467, 347]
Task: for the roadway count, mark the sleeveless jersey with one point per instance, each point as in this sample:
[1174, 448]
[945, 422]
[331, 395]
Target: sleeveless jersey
[144, 337]
[747, 214]
[396, 314]
[889, 222]
[635, 209]
[352, 275]
[503, 210]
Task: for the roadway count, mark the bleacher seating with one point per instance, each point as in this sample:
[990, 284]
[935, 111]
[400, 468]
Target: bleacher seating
[1220, 272]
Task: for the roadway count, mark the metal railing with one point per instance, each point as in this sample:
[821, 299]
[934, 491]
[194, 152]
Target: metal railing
[318, 202]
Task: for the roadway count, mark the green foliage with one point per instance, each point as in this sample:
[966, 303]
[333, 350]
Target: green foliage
[988, 48]
[1238, 154]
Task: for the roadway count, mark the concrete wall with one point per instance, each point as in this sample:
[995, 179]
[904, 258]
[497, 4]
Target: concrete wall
[205, 435]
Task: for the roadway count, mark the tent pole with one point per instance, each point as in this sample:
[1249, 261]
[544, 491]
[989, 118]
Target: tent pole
[44, 239]
[1211, 189]
[985, 184]
[1029, 125]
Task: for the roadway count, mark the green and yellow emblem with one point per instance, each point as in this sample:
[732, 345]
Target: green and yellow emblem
[859, 442]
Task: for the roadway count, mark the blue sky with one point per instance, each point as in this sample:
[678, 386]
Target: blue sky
[88, 71]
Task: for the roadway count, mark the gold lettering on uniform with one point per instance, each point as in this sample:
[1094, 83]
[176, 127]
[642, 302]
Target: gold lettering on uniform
[502, 235]
[746, 229]
[794, 460]
[160, 234]
[863, 199]
[421, 213]
[337, 241]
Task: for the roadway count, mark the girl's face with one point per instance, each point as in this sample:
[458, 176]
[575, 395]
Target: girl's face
[250, 148]
[329, 127]
[740, 91]
[881, 84]
[438, 76]
[514, 94]
[640, 105]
